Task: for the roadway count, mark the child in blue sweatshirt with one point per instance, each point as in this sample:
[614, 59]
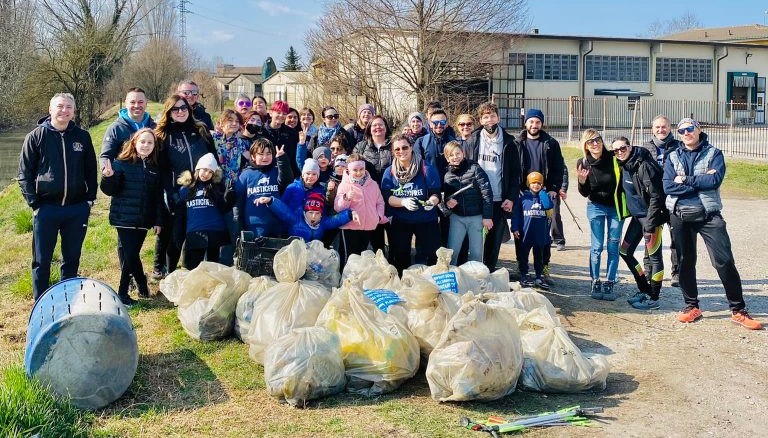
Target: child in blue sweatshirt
[310, 224]
[530, 224]
[206, 204]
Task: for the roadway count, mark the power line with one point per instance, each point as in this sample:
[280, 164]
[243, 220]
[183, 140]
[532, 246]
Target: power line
[183, 11]
[230, 24]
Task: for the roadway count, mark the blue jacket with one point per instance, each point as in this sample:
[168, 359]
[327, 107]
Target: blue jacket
[295, 194]
[254, 183]
[299, 227]
[119, 132]
[57, 167]
[529, 216]
[430, 147]
[205, 212]
[425, 184]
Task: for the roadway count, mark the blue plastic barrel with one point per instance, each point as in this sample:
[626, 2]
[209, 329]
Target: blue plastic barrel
[80, 341]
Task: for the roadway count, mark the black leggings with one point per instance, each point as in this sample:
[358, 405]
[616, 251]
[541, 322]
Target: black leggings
[427, 242]
[647, 282]
[129, 242]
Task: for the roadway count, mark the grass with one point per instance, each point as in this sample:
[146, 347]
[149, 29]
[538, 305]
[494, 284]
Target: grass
[28, 408]
[187, 388]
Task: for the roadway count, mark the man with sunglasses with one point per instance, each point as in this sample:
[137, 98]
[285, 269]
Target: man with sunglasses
[660, 146]
[692, 177]
[430, 146]
[191, 92]
[539, 152]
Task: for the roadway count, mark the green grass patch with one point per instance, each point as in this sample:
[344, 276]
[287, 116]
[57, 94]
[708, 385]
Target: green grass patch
[22, 221]
[27, 408]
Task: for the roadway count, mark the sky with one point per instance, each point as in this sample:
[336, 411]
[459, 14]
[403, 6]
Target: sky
[246, 32]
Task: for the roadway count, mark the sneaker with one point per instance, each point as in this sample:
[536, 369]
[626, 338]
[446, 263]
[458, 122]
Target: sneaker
[157, 275]
[608, 293]
[546, 277]
[597, 290]
[690, 313]
[526, 281]
[675, 281]
[561, 247]
[646, 303]
[637, 297]
[127, 300]
[741, 317]
[539, 283]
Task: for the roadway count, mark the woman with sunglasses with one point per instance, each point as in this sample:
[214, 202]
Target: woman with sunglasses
[183, 141]
[411, 188]
[599, 181]
[641, 178]
[328, 130]
[465, 124]
[243, 104]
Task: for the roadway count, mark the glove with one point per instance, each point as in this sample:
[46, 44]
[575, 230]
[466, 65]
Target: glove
[411, 204]
[428, 205]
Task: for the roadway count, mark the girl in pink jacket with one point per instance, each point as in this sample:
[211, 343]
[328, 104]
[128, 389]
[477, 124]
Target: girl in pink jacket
[359, 192]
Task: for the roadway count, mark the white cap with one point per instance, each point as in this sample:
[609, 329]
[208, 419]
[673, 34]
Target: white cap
[207, 161]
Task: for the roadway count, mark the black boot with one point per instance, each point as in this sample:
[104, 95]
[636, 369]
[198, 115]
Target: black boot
[141, 283]
[122, 290]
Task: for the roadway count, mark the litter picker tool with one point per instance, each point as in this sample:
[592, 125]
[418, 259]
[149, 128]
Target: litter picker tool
[496, 425]
[572, 215]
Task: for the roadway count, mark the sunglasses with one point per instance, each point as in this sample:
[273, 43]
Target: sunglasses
[180, 108]
[332, 116]
[596, 140]
[621, 149]
[335, 148]
[400, 149]
[465, 124]
[244, 103]
[688, 129]
[189, 93]
[439, 122]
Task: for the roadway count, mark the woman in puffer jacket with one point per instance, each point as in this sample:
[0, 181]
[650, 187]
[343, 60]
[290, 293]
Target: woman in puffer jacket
[359, 192]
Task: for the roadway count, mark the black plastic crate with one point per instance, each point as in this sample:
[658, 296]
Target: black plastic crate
[255, 255]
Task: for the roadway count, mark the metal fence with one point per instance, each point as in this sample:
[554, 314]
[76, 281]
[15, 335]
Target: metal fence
[739, 130]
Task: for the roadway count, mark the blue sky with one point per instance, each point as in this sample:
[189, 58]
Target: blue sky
[246, 32]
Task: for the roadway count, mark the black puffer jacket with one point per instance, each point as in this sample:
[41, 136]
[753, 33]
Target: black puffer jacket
[183, 146]
[646, 176]
[474, 201]
[57, 167]
[376, 159]
[288, 139]
[136, 192]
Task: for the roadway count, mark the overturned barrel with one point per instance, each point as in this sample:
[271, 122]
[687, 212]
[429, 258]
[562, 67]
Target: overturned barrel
[81, 343]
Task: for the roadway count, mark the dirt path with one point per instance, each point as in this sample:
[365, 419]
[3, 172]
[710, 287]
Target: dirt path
[667, 378]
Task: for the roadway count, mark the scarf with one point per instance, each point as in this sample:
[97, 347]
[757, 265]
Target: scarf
[406, 174]
[662, 143]
[325, 134]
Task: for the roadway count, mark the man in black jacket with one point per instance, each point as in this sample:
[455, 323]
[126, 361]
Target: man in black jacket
[496, 153]
[57, 176]
[660, 145]
[191, 92]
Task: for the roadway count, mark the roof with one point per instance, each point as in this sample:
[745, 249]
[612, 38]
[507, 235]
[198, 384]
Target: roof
[224, 79]
[737, 34]
[640, 40]
[255, 78]
[229, 69]
[293, 77]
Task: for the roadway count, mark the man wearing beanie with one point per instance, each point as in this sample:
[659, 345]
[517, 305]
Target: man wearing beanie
[280, 134]
[539, 152]
[692, 177]
[365, 113]
[660, 146]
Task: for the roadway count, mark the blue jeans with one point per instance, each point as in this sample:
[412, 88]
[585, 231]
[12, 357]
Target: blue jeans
[599, 216]
[470, 226]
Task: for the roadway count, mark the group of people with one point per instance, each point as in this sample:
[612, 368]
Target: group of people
[269, 170]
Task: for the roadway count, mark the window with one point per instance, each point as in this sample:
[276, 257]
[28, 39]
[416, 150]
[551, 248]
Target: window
[683, 70]
[548, 67]
[617, 68]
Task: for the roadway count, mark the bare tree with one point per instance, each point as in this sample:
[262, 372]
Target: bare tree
[17, 29]
[156, 68]
[395, 52]
[83, 43]
[158, 19]
[685, 22]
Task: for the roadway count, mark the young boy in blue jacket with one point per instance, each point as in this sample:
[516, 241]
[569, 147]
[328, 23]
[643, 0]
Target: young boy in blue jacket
[530, 224]
[310, 224]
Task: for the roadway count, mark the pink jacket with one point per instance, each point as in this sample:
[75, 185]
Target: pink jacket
[367, 202]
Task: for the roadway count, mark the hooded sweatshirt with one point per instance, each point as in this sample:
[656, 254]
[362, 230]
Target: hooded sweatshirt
[121, 131]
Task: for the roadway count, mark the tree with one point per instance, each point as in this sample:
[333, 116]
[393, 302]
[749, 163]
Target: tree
[685, 22]
[426, 48]
[83, 43]
[292, 60]
[17, 28]
[156, 68]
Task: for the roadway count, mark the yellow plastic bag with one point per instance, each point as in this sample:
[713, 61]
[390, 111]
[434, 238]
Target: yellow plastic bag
[379, 351]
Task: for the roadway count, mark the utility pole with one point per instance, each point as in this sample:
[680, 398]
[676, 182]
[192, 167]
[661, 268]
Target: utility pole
[183, 11]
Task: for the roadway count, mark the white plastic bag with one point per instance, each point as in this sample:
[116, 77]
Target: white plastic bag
[282, 308]
[209, 295]
[170, 286]
[553, 363]
[322, 265]
[496, 282]
[290, 262]
[521, 302]
[428, 309]
[442, 272]
[379, 351]
[479, 355]
[371, 271]
[304, 365]
[244, 308]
